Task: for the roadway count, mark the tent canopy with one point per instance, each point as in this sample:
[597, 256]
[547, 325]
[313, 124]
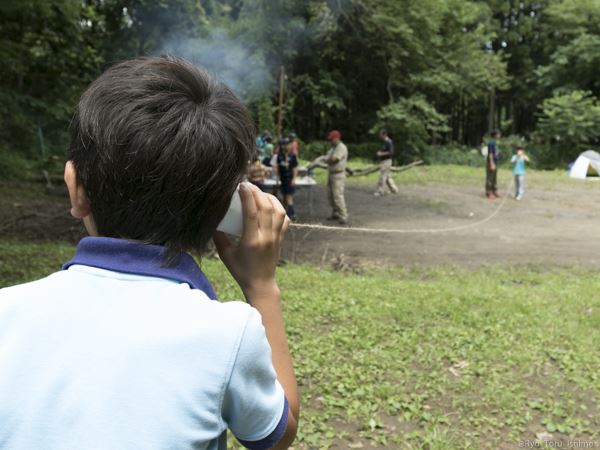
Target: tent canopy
[586, 165]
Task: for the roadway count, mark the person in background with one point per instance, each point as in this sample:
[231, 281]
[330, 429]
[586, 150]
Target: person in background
[287, 170]
[259, 143]
[294, 143]
[336, 159]
[257, 173]
[385, 155]
[518, 161]
[267, 150]
[491, 166]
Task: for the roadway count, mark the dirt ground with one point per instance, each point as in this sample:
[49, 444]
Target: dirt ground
[552, 227]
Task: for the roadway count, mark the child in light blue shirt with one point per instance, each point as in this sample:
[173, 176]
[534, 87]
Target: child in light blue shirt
[126, 348]
[518, 161]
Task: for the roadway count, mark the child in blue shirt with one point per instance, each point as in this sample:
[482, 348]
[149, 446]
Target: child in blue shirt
[126, 347]
[518, 161]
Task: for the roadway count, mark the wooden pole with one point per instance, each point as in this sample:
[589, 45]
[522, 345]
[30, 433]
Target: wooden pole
[492, 111]
[280, 110]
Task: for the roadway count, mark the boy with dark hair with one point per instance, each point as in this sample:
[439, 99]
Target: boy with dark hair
[125, 348]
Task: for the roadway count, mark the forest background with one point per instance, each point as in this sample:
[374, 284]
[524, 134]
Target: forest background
[439, 74]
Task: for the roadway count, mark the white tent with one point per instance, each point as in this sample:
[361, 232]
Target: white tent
[586, 165]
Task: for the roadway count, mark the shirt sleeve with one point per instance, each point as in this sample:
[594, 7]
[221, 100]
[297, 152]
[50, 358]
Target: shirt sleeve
[254, 404]
[340, 152]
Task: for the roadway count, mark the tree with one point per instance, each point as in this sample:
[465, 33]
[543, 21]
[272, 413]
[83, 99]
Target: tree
[46, 55]
[570, 123]
[414, 122]
[574, 66]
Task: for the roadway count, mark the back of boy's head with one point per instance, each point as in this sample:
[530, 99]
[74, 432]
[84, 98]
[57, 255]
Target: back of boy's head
[159, 146]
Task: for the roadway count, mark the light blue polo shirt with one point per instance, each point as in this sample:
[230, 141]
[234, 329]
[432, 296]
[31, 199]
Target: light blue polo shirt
[118, 351]
[518, 165]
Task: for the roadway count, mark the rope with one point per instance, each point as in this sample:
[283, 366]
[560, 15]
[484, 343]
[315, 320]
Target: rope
[408, 230]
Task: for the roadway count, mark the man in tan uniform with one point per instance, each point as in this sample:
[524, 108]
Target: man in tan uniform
[336, 165]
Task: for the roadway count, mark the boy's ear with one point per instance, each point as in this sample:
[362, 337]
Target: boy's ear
[80, 205]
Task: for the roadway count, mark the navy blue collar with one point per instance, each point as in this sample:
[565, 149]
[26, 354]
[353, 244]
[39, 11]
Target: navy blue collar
[120, 255]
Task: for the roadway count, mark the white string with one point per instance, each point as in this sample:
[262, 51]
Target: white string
[408, 230]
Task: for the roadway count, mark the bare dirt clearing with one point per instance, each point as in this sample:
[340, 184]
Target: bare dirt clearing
[553, 226]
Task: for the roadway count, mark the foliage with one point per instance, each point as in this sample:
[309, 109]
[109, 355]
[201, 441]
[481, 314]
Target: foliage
[574, 66]
[453, 154]
[12, 165]
[423, 357]
[570, 122]
[46, 55]
[434, 71]
[414, 121]
[573, 17]
[266, 116]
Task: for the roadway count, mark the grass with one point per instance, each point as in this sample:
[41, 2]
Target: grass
[436, 358]
[460, 175]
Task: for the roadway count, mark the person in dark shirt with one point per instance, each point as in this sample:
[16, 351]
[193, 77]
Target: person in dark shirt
[287, 170]
[491, 166]
[386, 183]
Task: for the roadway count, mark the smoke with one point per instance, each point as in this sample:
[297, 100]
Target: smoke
[249, 62]
[245, 71]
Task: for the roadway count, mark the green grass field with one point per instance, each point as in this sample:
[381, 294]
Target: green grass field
[457, 175]
[436, 358]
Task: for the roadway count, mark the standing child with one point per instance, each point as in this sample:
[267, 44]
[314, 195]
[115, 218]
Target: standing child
[287, 170]
[518, 161]
[126, 347]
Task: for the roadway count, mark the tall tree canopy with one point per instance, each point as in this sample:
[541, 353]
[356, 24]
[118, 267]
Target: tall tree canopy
[433, 71]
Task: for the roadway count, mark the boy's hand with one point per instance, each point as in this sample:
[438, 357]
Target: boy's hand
[253, 262]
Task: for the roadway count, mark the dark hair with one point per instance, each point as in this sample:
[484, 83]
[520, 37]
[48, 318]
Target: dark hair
[495, 132]
[160, 146]
[520, 147]
[383, 131]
